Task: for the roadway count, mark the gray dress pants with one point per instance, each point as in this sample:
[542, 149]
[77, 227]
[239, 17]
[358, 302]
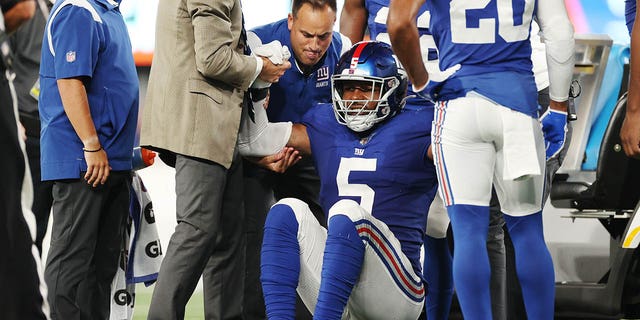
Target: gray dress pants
[208, 240]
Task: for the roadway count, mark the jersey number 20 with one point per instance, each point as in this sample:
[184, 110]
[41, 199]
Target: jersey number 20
[485, 32]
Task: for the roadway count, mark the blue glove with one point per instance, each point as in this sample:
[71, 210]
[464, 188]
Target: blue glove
[554, 129]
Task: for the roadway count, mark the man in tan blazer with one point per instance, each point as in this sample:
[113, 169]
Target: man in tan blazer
[199, 76]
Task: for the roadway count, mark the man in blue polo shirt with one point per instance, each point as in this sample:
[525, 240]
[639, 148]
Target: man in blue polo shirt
[316, 48]
[88, 110]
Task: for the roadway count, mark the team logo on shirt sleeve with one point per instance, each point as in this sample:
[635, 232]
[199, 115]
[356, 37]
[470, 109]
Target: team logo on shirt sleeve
[71, 56]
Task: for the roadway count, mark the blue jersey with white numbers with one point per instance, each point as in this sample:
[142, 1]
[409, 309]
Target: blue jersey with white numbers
[296, 92]
[387, 172]
[490, 40]
[377, 23]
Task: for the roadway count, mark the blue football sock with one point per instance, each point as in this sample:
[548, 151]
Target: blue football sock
[280, 263]
[343, 257]
[471, 269]
[533, 265]
[438, 274]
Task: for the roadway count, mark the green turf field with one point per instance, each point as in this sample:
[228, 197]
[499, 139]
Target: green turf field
[195, 307]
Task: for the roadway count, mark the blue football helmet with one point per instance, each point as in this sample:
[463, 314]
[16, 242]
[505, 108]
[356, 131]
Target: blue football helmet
[370, 63]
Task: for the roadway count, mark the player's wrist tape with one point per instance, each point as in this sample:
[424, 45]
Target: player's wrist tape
[258, 137]
[87, 150]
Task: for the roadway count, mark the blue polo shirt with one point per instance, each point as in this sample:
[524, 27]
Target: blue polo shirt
[296, 92]
[87, 38]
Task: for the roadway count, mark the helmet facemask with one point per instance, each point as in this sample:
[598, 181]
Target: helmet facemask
[371, 105]
[378, 86]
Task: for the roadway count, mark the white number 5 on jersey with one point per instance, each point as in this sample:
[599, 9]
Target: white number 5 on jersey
[346, 189]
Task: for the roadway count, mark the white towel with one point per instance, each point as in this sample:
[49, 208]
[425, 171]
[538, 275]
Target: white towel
[145, 253]
[142, 253]
[121, 296]
[519, 149]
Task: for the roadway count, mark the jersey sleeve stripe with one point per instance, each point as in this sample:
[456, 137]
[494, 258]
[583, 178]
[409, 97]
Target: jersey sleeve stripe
[80, 3]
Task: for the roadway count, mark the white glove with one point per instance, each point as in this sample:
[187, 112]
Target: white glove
[435, 74]
[274, 51]
[435, 78]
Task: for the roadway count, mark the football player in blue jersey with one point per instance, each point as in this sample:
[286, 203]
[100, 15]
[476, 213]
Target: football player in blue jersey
[356, 17]
[316, 48]
[630, 132]
[376, 181]
[486, 131]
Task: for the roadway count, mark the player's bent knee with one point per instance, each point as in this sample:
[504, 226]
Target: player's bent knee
[348, 208]
[340, 224]
[289, 209]
[281, 216]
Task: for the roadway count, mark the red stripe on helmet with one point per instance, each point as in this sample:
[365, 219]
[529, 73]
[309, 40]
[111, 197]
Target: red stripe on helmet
[356, 56]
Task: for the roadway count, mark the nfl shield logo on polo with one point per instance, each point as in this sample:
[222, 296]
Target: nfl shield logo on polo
[71, 56]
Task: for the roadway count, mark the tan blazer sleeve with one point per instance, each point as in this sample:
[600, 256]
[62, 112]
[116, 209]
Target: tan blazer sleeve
[214, 25]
